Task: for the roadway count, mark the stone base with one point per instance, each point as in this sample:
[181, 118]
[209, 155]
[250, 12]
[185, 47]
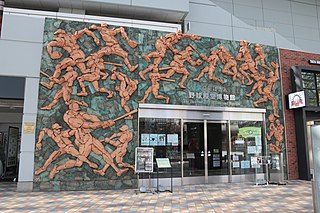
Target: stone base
[25, 186]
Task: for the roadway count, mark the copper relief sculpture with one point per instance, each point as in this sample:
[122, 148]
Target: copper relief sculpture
[78, 69]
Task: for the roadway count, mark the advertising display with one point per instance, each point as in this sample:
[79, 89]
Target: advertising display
[144, 159]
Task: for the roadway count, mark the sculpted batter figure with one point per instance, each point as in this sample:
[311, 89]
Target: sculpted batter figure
[93, 73]
[248, 63]
[121, 144]
[112, 45]
[61, 138]
[177, 65]
[229, 63]
[82, 124]
[65, 92]
[68, 42]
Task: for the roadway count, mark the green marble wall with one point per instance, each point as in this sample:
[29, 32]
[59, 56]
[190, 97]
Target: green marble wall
[203, 93]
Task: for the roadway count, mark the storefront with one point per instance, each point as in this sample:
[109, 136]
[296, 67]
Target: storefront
[300, 73]
[205, 144]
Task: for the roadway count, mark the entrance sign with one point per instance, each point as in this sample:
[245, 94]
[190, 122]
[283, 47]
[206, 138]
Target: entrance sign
[297, 100]
[144, 159]
[163, 162]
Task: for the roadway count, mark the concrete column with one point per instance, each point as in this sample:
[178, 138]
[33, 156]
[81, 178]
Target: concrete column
[26, 167]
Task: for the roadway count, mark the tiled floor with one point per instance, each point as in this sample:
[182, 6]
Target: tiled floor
[296, 196]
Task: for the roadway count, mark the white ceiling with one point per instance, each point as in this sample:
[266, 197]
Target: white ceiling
[101, 9]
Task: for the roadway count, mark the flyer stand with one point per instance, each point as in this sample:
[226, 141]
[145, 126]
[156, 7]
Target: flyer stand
[164, 163]
[263, 161]
[144, 164]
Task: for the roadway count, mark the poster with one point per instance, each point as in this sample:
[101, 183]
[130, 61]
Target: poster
[239, 141]
[153, 139]
[252, 149]
[145, 140]
[172, 140]
[235, 157]
[235, 164]
[245, 164]
[161, 139]
[258, 140]
[144, 159]
[254, 162]
[12, 149]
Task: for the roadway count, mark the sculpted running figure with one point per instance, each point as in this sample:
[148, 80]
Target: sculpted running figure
[276, 132]
[177, 65]
[155, 77]
[121, 144]
[259, 77]
[229, 63]
[260, 57]
[212, 63]
[248, 63]
[267, 90]
[112, 45]
[162, 45]
[68, 42]
[62, 139]
[93, 73]
[126, 88]
[65, 92]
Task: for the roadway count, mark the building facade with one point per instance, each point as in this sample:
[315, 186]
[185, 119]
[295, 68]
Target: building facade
[207, 90]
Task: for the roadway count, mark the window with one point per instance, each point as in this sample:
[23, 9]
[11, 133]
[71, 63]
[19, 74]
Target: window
[164, 135]
[311, 86]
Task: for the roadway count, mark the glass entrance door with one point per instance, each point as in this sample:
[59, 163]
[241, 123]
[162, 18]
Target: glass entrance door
[205, 152]
[193, 153]
[218, 152]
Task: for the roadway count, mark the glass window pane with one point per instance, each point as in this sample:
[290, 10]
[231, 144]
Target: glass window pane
[318, 81]
[164, 136]
[308, 80]
[312, 97]
[246, 142]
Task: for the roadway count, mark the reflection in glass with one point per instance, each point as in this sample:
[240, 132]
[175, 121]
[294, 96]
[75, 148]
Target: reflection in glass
[246, 142]
[164, 136]
[193, 149]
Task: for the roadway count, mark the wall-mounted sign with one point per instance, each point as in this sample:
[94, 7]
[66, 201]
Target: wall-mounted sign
[297, 100]
[28, 127]
[316, 62]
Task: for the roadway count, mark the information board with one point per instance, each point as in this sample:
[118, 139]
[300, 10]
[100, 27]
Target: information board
[144, 159]
[163, 162]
